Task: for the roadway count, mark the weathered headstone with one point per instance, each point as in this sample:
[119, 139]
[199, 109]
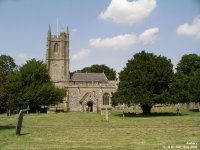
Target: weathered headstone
[19, 123]
[178, 109]
[8, 112]
[106, 114]
[28, 108]
[123, 114]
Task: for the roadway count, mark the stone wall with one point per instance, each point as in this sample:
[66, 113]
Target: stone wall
[80, 93]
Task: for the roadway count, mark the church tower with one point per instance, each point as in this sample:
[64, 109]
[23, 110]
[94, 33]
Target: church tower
[57, 56]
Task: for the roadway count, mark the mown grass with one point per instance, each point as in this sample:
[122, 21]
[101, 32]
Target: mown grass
[76, 130]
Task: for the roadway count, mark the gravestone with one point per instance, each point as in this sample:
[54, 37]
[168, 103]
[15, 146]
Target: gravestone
[123, 114]
[106, 114]
[19, 123]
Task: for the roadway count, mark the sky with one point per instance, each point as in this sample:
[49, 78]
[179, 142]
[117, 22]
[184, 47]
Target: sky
[106, 32]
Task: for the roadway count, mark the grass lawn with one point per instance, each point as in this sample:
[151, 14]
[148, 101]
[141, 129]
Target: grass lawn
[83, 131]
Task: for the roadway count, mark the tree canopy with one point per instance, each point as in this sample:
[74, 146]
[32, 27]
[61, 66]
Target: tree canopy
[186, 79]
[7, 65]
[109, 72]
[144, 80]
[31, 86]
[195, 86]
[188, 64]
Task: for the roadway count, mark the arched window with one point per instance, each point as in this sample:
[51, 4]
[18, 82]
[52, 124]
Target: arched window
[56, 48]
[106, 99]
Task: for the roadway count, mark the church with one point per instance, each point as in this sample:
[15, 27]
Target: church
[90, 92]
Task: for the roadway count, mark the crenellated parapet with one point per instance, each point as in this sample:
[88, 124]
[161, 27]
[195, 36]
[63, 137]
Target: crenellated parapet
[63, 36]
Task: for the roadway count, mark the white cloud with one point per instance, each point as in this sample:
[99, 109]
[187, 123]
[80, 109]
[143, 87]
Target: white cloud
[21, 58]
[192, 29]
[22, 55]
[125, 41]
[120, 42]
[149, 36]
[81, 54]
[124, 11]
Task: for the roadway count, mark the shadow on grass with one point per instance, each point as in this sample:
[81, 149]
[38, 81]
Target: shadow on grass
[6, 127]
[194, 110]
[24, 134]
[153, 114]
[10, 126]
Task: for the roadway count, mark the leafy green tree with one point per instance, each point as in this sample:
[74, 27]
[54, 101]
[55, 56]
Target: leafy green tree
[7, 65]
[188, 64]
[195, 86]
[179, 89]
[144, 80]
[186, 77]
[31, 86]
[2, 94]
[109, 72]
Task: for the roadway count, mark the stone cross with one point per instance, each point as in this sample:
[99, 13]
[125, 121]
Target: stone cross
[19, 123]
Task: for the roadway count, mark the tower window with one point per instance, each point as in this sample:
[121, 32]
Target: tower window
[106, 99]
[56, 48]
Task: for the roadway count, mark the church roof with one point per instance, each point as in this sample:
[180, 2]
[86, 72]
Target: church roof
[98, 77]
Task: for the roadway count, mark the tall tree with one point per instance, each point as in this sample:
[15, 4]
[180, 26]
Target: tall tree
[31, 86]
[188, 64]
[144, 80]
[7, 65]
[179, 89]
[195, 86]
[109, 72]
[2, 94]
[186, 78]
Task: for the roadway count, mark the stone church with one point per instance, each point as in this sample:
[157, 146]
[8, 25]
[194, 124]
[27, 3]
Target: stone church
[90, 92]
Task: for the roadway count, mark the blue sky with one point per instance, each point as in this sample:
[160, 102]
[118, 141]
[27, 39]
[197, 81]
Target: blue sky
[101, 31]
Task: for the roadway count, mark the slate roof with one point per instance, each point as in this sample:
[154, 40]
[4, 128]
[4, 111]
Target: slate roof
[98, 77]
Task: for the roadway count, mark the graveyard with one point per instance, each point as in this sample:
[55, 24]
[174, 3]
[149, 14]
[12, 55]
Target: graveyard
[163, 129]
[100, 75]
